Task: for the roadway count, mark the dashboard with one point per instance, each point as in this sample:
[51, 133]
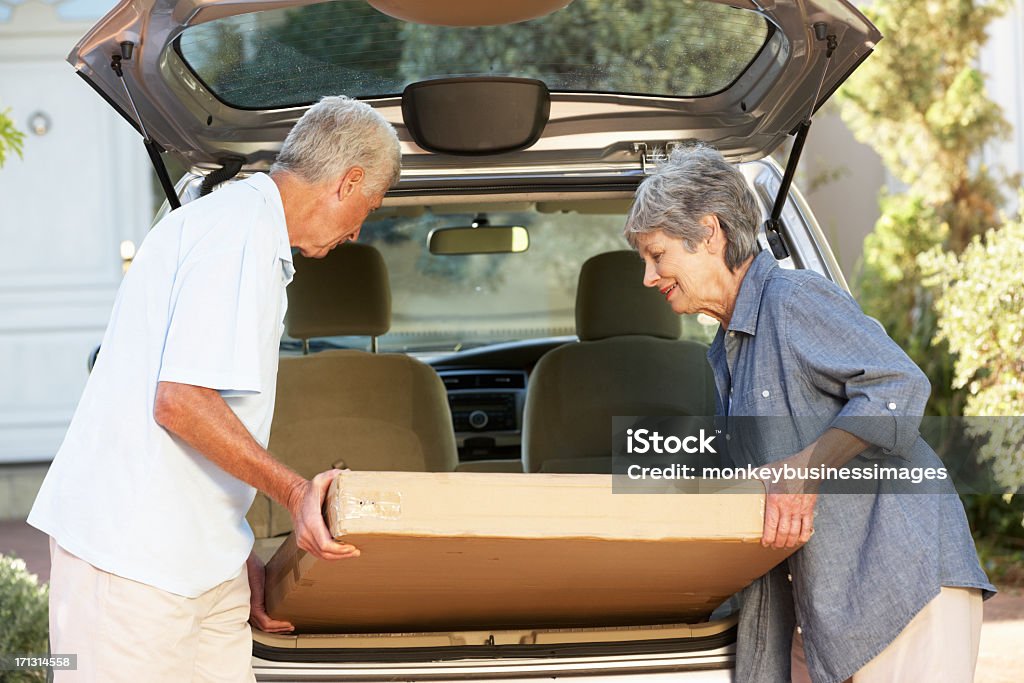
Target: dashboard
[487, 411]
[486, 393]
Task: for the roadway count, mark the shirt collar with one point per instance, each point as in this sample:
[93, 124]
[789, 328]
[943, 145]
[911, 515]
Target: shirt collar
[266, 186]
[748, 301]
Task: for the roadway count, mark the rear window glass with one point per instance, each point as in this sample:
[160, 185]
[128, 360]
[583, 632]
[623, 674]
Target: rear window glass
[288, 57]
[442, 304]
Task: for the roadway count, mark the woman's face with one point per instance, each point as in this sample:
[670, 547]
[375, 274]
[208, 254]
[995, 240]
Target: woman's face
[688, 281]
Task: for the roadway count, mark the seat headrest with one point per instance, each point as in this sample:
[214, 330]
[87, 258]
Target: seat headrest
[611, 300]
[346, 293]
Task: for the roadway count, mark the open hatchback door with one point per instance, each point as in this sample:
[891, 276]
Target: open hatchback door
[218, 82]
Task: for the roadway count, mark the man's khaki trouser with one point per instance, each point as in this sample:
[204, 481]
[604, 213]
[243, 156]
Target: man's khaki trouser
[123, 630]
[939, 644]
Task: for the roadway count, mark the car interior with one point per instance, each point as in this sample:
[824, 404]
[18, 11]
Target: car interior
[541, 404]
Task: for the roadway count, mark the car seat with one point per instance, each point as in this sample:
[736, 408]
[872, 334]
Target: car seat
[351, 408]
[629, 361]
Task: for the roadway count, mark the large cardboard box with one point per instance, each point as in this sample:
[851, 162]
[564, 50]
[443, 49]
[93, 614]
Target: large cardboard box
[462, 550]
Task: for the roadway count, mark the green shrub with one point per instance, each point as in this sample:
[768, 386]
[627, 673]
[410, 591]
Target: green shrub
[24, 626]
[11, 139]
[981, 318]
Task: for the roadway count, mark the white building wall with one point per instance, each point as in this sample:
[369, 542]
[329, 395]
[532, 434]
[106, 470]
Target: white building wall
[1002, 62]
[82, 187]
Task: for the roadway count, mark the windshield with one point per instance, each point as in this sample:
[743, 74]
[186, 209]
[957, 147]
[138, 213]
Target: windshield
[451, 303]
[293, 56]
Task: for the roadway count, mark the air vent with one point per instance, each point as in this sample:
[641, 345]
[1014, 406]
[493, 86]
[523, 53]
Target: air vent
[456, 382]
[468, 379]
[512, 380]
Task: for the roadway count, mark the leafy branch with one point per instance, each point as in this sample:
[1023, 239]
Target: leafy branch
[12, 140]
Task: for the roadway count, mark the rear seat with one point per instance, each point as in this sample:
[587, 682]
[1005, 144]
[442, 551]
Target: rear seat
[364, 411]
[629, 361]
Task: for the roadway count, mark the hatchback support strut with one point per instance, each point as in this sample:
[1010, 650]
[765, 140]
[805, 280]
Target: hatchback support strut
[152, 149]
[773, 226]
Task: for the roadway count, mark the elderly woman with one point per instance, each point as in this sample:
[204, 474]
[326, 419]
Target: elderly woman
[889, 587]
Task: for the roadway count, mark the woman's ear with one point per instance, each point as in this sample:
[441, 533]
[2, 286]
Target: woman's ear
[714, 236]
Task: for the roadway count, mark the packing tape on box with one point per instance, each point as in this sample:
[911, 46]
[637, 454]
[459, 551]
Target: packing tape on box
[372, 504]
[364, 504]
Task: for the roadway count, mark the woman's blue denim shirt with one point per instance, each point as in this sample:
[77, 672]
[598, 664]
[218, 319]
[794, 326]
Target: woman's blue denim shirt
[799, 346]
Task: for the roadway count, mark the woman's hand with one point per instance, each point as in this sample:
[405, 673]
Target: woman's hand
[788, 519]
[258, 616]
[789, 506]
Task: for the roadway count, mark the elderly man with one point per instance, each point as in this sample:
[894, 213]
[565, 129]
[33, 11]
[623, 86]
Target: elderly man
[145, 502]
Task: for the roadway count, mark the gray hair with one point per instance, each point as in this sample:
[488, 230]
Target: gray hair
[336, 134]
[694, 182]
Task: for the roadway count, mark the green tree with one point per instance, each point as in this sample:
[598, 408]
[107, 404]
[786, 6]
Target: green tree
[12, 140]
[661, 46]
[920, 102]
[683, 47]
[344, 34]
[981, 318]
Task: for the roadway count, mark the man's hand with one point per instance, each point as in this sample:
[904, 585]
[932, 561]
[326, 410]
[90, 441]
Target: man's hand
[258, 616]
[789, 507]
[305, 503]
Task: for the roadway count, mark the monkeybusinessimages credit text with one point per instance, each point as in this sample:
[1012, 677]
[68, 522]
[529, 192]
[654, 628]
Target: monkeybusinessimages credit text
[649, 442]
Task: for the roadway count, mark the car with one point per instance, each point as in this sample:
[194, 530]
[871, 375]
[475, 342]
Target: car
[525, 129]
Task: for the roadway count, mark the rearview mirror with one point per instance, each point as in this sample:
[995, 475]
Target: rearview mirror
[490, 239]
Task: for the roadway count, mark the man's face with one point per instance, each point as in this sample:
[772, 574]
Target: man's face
[346, 207]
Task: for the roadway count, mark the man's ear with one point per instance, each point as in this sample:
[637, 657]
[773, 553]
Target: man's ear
[351, 181]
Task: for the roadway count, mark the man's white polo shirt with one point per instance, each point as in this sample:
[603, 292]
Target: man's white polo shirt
[202, 304]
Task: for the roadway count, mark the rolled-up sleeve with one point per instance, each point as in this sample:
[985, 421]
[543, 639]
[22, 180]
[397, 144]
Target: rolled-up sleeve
[847, 354]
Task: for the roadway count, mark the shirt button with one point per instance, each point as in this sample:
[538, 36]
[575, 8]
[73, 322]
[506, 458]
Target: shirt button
[891, 406]
[766, 393]
[799, 630]
[789, 577]
[732, 334]
[728, 437]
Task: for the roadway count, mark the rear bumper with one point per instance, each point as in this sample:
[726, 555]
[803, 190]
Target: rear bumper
[708, 667]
